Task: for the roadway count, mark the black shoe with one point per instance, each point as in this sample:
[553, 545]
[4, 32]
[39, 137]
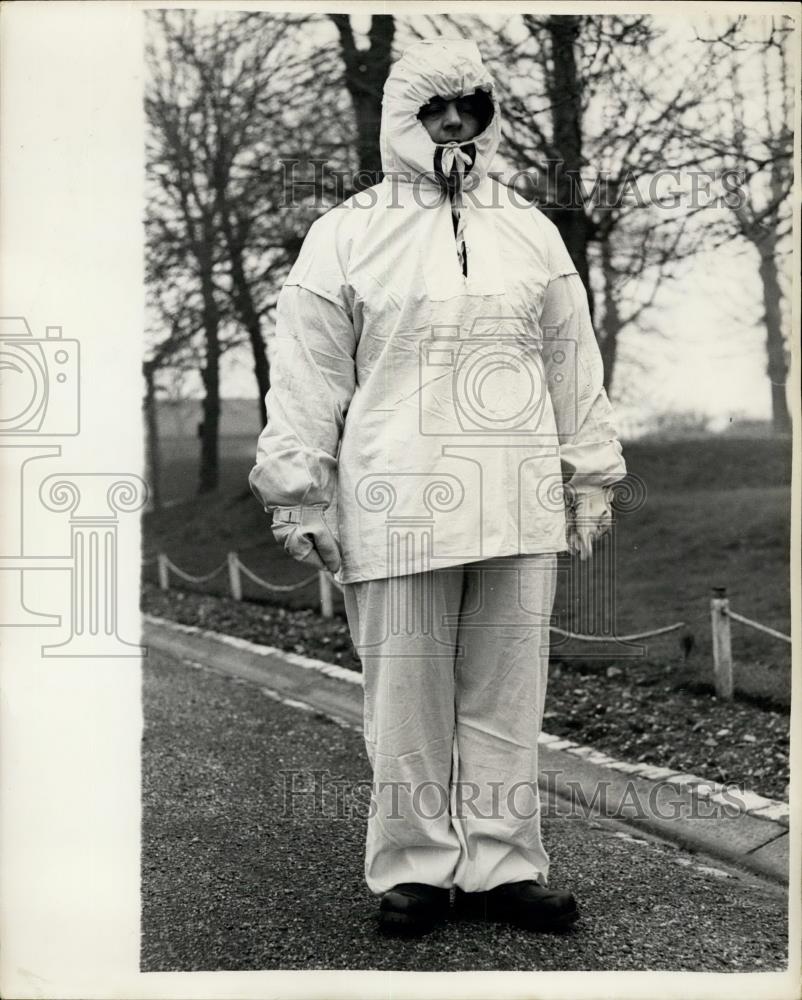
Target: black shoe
[525, 904]
[412, 908]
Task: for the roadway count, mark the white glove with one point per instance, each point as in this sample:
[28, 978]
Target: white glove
[588, 518]
[305, 535]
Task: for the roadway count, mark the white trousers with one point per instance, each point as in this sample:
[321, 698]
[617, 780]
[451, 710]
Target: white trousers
[455, 664]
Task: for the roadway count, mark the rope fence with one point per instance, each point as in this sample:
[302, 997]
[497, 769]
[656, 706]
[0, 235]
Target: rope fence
[756, 625]
[169, 566]
[720, 612]
[617, 638]
[276, 588]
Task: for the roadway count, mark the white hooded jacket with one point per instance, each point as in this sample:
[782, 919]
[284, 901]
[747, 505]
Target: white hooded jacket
[429, 414]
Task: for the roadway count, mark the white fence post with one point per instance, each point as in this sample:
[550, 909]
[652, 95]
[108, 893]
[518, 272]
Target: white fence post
[326, 598]
[722, 644]
[164, 571]
[234, 579]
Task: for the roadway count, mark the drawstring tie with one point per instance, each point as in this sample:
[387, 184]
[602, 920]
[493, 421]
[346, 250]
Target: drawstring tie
[455, 160]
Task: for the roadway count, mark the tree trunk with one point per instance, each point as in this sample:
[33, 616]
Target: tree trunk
[611, 322]
[564, 87]
[243, 299]
[365, 73]
[250, 320]
[777, 367]
[759, 226]
[209, 429]
[152, 445]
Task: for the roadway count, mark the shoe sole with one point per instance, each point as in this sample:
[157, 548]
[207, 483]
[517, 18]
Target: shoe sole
[488, 915]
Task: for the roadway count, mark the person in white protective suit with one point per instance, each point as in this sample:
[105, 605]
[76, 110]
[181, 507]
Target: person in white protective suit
[435, 382]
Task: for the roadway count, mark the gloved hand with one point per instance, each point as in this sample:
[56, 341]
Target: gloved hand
[588, 518]
[305, 535]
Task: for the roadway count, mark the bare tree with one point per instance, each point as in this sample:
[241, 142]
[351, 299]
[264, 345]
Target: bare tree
[366, 69]
[602, 110]
[760, 144]
[228, 97]
[173, 351]
[564, 92]
[180, 221]
[221, 100]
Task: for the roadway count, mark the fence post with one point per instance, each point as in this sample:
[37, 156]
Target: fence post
[722, 645]
[164, 571]
[234, 579]
[326, 601]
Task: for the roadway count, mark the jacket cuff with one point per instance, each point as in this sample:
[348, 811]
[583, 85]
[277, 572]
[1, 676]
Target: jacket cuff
[592, 466]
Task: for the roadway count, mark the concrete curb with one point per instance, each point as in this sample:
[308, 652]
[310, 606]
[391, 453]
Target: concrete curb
[740, 827]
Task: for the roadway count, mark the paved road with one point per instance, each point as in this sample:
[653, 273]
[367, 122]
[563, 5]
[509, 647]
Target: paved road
[235, 879]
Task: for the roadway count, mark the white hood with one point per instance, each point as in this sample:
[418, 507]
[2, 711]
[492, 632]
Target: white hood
[447, 68]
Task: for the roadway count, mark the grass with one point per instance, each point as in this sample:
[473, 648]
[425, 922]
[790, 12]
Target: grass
[717, 513]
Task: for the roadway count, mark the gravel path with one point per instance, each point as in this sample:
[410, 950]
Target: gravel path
[231, 881]
[637, 711]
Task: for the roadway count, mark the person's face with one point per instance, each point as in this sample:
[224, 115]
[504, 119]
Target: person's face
[452, 120]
